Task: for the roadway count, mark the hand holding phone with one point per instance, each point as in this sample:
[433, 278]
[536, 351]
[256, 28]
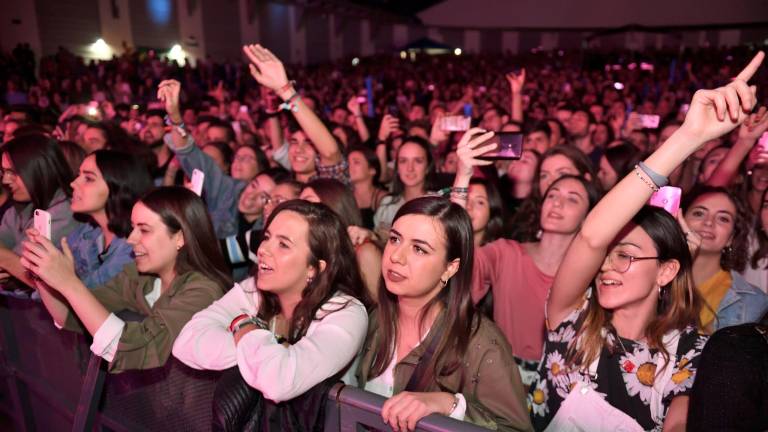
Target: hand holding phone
[42, 223]
[509, 146]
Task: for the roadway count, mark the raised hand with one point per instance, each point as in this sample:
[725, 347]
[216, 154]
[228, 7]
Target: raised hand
[754, 125]
[469, 148]
[354, 106]
[516, 81]
[714, 113]
[55, 268]
[168, 91]
[265, 67]
[388, 124]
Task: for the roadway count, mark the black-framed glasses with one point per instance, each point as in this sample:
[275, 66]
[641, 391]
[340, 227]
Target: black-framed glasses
[621, 261]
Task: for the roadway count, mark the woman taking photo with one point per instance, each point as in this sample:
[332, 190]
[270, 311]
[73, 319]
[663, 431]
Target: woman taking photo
[427, 350]
[519, 275]
[364, 174]
[108, 185]
[721, 221]
[299, 321]
[178, 271]
[624, 354]
[37, 175]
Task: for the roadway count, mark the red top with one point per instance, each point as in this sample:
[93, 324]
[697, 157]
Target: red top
[519, 294]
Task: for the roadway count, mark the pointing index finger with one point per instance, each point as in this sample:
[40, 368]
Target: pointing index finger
[751, 68]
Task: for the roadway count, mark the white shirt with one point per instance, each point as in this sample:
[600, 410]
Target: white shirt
[280, 373]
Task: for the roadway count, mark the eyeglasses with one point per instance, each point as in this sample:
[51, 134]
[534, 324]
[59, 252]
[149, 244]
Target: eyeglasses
[244, 158]
[621, 261]
[273, 200]
[11, 173]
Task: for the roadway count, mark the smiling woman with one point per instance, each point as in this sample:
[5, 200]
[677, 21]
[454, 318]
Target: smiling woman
[179, 270]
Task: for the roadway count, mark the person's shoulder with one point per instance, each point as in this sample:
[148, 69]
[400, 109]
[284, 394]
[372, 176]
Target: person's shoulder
[341, 301]
[488, 337]
[741, 286]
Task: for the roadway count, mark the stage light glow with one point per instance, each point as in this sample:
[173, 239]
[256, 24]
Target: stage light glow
[100, 50]
[177, 53]
[457, 51]
[618, 86]
[355, 61]
[403, 55]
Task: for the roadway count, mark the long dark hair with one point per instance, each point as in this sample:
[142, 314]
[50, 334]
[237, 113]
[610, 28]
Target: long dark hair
[182, 210]
[127, 180]
[761, 236]
[679, 301]
[328, 241]
[43, 169]
[525, 223]
[429, 180]
[623, 158]
[460, 321]
[495, 227]
[736, 256]
[338, 198]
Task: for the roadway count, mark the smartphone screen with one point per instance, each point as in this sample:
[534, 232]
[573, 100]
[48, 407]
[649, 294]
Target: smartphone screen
[42, 223]
[454, 123]
[198, 177]
[649, 121]
[668, 198]
[509, 146]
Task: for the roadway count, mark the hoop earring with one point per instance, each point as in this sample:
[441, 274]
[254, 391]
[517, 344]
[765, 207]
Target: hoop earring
[444, 282]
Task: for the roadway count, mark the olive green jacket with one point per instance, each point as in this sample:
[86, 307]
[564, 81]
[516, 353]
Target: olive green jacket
[488, 379]
[147, 344]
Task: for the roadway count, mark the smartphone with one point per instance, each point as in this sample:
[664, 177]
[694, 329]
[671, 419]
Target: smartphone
[361, 99]
[243, 108]
[509, 146]
[196, 185]
[668, 198]
[455, 123]
[393, 110]
[649, 121]
[42, 223]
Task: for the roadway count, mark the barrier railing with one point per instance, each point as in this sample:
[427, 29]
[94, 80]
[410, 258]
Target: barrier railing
[50, 381]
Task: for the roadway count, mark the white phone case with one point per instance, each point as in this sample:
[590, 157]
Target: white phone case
[197, 182]
[42, 223]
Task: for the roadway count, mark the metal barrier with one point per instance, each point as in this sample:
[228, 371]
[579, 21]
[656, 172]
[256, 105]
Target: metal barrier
[50, 381]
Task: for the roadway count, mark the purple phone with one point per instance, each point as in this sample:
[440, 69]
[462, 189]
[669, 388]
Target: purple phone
[667, 198]
[509, 146]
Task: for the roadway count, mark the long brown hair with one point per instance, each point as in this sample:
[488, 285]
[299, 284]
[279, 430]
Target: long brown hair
[328, 241]
[460, 321]
[679, 301]
[338, 198]
[182, 210]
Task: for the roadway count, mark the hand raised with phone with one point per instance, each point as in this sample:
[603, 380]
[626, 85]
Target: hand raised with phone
[168, 91]
[470, 147]
[54, 267]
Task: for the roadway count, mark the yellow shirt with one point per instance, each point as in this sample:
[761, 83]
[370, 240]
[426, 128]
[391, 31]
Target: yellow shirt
[713, 291]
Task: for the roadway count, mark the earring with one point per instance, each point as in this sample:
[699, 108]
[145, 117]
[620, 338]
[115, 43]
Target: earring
[539, 233]
[310, 279]
[444, 282]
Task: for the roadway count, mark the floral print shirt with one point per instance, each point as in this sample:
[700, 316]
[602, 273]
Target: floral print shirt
[625, 374]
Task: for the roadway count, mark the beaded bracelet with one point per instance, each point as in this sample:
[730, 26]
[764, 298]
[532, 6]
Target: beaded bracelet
[644, 180]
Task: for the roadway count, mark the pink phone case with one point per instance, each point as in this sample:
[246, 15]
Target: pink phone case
[667, 198]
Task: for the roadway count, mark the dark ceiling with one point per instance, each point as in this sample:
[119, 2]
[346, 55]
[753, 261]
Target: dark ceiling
[403, 8]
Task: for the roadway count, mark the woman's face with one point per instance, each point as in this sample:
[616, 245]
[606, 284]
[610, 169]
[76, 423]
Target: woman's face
[711, 162]
[414, 258]
[412, 164]
[552, 168]
[89, 190]
[607, 176]
[309, 194]
[600, 135]
[758, 179]
[301, 153]
[244, 165]
[478, 208]
[251, 202]
[155, 249]
[523, 169]
[622, 287]
[12, 181]
[564, 207]
[712, 216]
[359, 170]
[284, 255]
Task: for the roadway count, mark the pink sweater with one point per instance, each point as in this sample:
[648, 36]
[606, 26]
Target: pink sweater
[519, 294]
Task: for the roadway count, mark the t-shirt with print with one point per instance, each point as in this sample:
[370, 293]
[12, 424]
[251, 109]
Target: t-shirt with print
[625, 374]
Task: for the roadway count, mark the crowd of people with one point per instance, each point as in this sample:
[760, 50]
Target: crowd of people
[347, 230]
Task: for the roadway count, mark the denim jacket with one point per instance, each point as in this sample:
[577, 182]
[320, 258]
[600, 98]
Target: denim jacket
[743, 303]
[220, 190]
[86, 243]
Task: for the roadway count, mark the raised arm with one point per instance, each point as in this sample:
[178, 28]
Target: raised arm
[516, 82]
[713, 113]
[749, 133]
[269, 71]
[362, 129]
